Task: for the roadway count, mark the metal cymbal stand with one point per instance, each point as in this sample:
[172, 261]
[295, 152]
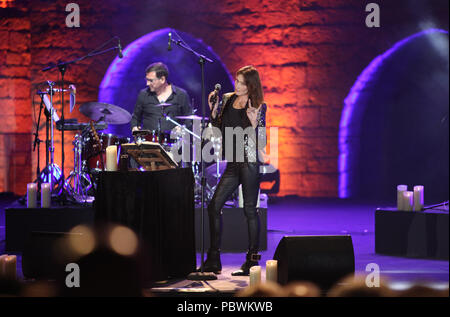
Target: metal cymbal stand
[78, 183]
[51, 173]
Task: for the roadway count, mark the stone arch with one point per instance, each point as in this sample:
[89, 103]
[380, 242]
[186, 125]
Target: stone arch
[394, 125]
[125, 77]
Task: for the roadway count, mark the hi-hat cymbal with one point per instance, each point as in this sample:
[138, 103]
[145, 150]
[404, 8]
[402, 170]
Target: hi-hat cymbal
[108, 113]
[191, 117]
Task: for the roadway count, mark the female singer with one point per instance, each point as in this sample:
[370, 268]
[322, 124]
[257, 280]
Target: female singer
[244, 108]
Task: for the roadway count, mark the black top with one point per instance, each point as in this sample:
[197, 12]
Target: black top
[251, 147]
[233, 118]
[146, 111]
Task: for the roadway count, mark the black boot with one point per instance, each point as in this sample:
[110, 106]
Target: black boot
[253, 238]
[252, 259]
[213, 263]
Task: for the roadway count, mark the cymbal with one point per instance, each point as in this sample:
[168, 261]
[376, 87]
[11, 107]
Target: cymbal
[191, 117]
[109, 113]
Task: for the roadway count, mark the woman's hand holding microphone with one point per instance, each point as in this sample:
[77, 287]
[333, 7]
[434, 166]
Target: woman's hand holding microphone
[213, 100]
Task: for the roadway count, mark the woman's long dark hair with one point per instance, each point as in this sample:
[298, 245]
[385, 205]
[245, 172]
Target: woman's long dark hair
[253, 83]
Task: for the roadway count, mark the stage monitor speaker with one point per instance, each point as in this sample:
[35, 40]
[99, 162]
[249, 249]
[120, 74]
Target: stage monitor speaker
[45, 255]
[323, 260]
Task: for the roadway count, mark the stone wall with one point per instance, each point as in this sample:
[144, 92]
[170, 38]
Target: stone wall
[309, 54]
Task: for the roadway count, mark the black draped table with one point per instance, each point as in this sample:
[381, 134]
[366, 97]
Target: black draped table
[159, 207]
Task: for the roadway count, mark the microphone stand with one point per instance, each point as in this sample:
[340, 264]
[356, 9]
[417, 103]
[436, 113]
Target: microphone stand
[37, 142]
[52, 145]
[62, 67]
[168, 118]
[200, 276]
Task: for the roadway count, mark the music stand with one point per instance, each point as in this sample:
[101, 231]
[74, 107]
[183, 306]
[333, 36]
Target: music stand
[151, 156]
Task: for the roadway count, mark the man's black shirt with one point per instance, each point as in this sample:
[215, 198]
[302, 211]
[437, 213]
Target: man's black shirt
[148, 113]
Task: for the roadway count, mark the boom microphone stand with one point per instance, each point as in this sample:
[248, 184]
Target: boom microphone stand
[199, 276]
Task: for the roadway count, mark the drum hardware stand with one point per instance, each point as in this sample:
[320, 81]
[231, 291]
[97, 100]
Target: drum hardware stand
[199, 276]
[81, 181]
[62, 66]
[38, 141]
[51, 172]
[62, 69]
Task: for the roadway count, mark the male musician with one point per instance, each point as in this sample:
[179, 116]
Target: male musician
[159, 91]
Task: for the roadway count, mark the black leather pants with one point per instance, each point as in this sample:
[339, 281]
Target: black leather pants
[236, 173]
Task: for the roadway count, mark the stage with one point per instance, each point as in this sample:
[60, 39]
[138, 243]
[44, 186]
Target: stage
[292, 216]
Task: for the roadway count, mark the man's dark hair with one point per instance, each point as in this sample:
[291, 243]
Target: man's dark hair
[160, 70]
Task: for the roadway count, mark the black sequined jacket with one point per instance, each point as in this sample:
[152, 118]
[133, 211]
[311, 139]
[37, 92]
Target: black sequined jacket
[253, 142]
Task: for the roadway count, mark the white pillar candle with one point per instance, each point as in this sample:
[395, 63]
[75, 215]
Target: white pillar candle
[2, 265]
[408, 200]
[272, 271]
[10, 267]
[111, 158]
[255, 275]
[31, 195]
[400, 190]
[418, 198]
[45, 195]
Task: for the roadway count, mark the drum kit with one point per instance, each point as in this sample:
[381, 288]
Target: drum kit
[89, 147]
[89, 155]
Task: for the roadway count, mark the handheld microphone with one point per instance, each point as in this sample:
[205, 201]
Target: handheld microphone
[120, 49]
[169, 44]
[213, 98]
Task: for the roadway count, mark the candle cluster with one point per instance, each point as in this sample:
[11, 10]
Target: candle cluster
[8, 267]
[410, 200]
[271, 272]
[46, 194]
